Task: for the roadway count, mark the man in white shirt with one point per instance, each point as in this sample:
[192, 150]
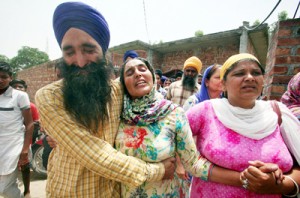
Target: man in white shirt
[15, 118]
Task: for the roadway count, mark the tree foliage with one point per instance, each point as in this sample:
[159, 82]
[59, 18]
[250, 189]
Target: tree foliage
[256, 22]
[28, 57]
[283, 16]
[4, 58]
[199, 33]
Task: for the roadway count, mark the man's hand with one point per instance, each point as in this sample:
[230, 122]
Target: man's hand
[52, 143]
[169, 168]
[180, 171]
[23, 160]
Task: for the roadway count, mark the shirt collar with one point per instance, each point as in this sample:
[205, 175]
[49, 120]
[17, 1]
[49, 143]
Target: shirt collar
[8, 92]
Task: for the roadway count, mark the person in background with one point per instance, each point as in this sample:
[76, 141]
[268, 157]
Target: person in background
[211, 87]
[167, 83]
[130, 54]
[178, 75]
[180, 90]
[82, 113]
[22, 86]
[159, 88]
[291, 98]
[238, 130]
[200, 79]
[16, 128]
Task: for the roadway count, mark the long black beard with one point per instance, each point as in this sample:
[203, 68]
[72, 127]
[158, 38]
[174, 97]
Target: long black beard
[86, 93]
[188, 82]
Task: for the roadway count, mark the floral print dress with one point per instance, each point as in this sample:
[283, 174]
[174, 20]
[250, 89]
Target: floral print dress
[156, 142]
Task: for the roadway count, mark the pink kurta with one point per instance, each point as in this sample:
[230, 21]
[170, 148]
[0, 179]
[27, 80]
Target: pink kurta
[228, 149]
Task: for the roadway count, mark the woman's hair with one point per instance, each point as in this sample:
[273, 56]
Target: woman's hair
[224, 94]
[236, 63]
[212, 71]
[123, 69]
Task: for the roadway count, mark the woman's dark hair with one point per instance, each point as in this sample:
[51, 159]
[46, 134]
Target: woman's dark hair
[213, 70]
[123, 69]
[235, 64]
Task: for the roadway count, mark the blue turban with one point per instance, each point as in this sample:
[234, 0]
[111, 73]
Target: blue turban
[131, 54]
[84, 17]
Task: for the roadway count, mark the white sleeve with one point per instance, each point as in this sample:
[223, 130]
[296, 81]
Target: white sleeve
[290, 130]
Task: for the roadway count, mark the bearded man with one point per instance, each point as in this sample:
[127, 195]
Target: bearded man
[180, 90]
[81, 112]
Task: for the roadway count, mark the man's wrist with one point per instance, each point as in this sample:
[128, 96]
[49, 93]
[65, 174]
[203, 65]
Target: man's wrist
[155, 171]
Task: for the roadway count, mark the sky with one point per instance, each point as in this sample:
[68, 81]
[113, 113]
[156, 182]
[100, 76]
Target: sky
[29, 22]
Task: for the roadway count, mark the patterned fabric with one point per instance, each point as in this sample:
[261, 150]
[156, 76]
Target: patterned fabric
[190, 102]
[163, 92]
[178, 95]
[156, 142]
[235, 58]
[291, 98]
[226, 148]
[82, 164]
[146, 110]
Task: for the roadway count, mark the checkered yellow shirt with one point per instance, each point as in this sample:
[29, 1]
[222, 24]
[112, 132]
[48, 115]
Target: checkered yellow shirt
[178, 94]
[86, 165]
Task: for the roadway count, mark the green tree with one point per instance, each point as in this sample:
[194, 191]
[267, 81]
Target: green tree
[256, 22]
[28, 57]
[4, 58]
[199, 33]
[283, 16]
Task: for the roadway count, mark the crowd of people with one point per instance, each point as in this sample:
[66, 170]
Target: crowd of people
[133, 132]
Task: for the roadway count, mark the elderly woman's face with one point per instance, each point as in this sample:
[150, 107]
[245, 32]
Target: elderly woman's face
[138, 78]
[244, 84]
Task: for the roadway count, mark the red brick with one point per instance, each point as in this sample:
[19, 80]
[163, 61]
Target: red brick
[283, 51]
[294, 59]
[281, 60]
[281, 79]
[296, 70]
[290, 22]
[280, 70]
[278, 89]
[288, 41]
[298, 51]
[284, 32]
[275, 97]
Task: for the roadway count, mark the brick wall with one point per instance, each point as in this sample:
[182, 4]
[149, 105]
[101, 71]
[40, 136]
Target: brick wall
[176, 59]
[283, 59]
[38, 76]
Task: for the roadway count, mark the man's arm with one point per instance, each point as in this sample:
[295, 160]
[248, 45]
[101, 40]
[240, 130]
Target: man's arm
[26, 113]
[92, 152]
